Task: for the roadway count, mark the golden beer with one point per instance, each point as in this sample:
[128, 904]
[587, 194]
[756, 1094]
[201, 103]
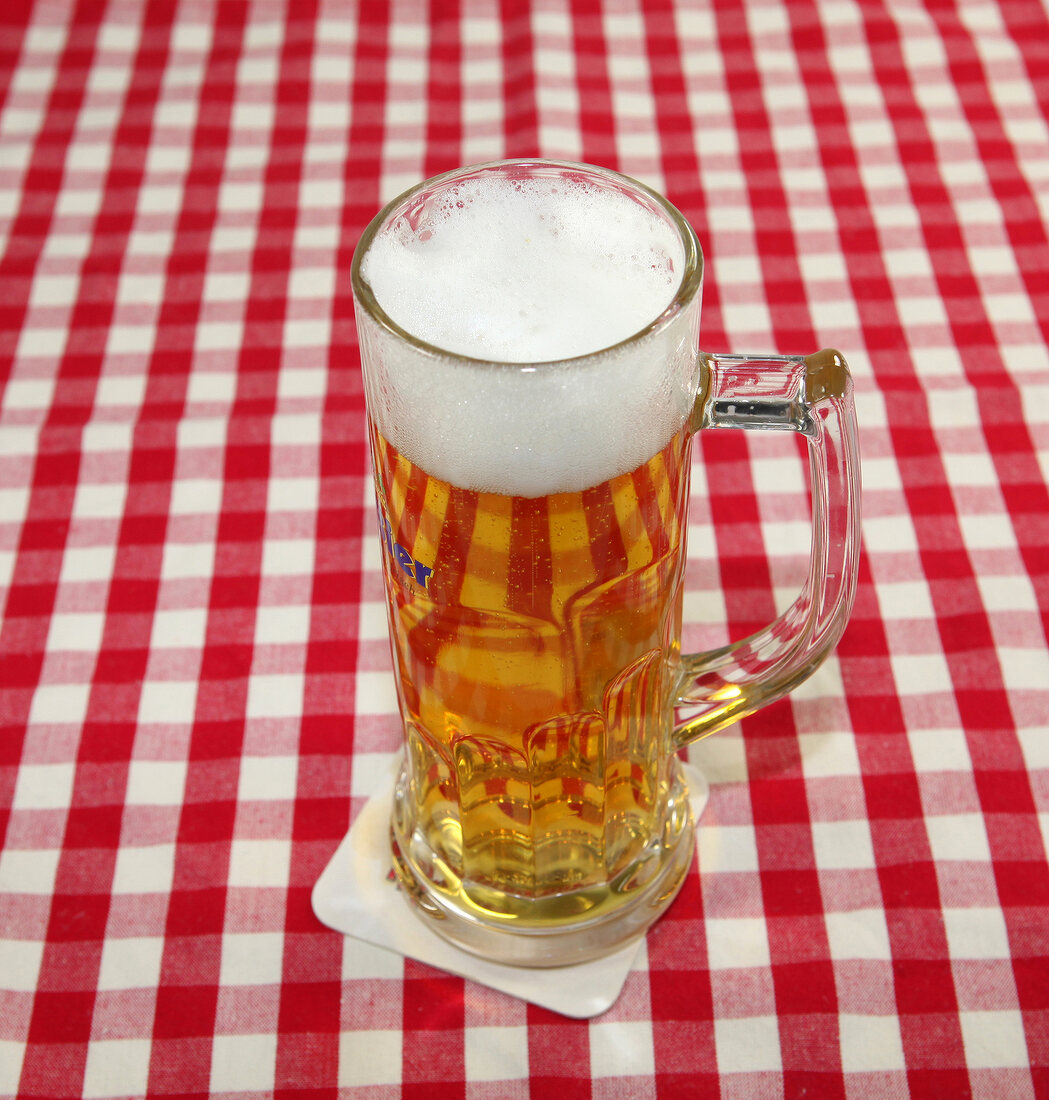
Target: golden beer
[536, 644]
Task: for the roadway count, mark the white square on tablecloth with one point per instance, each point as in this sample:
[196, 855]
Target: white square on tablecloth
[130, 962]
[858, 934]
[179, 628]
[126, 339]
[259, 862]
[736, 942]
[233, 238]
[156, 782]
[842, 845]
[275, 695]
[136, 286]
[20, 964]
[144, 870]
[827, 755]
[185, 561]
[161, 159]
[994, 1039]
[986, 531]
[121, 391]
[203, 433]
[958, 837]
[251, 958]
[240, 195]
[74, 201]
[920, 673]
[314, 283]
[243, 1063]
[21, 439]
[295, 429]
[44, 786]
[56, 290]
[881, 473]
[1008, 308]
[971, 469]
[194, 496]
[746, 320]
[976, 933]
[870, 1044]
[190, 38]
[1034, 741]
[890, 534]
[110, 79]
[12, 1055]
[1007, 593]
[337, 26]
[87, 563]
[226, 286]
[378, 1053]
[267, 778]
[59, 704]
[905, 600]
[117, 38]
[28, 872]
[371, 547]
[207, 386]
[748, 1045]
[242, 155]
[622, 1048]
[328, 119]
[1024, 669]
[376, 693]
[21, 120]
[727, 848]
[370, 772]
[116, 1067]
[7, 567]
[154, 242]
[497, 1053]
[292, 494]
[939, 750]
[372, 622]
[288, 557]
[1035, 397]
[311, 332]
[168, 701]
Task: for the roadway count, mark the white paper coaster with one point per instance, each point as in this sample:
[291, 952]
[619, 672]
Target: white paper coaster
[358, 896]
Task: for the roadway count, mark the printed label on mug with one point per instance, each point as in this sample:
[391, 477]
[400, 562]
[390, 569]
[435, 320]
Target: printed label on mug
[412, 569]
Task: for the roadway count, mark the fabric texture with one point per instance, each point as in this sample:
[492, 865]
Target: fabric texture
[195, 687]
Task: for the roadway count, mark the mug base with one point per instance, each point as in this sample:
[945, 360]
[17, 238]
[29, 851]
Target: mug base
[625, 915]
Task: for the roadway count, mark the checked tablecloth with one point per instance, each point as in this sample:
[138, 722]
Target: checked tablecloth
[195, 695]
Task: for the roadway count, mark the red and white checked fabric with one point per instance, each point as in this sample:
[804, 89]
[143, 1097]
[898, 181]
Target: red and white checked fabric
[195, 694]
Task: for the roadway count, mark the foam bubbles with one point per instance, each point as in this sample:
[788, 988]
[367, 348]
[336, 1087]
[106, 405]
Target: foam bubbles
[519, 272]
[526, 271]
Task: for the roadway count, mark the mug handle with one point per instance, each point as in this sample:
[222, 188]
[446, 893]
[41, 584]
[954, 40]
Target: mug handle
[812, 395]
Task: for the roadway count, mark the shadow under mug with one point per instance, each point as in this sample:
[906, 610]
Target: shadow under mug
[540, 817]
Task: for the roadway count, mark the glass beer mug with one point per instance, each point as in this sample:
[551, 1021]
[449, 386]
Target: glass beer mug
[529, 335]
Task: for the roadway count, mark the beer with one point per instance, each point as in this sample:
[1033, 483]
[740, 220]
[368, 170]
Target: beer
[535, 642]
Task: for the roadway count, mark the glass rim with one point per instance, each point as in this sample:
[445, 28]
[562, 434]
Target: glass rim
[687, 289]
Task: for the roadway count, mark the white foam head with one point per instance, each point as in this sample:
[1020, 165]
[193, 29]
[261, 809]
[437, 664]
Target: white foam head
[540, 280]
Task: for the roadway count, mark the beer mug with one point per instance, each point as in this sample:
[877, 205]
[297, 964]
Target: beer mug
[529, 336]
